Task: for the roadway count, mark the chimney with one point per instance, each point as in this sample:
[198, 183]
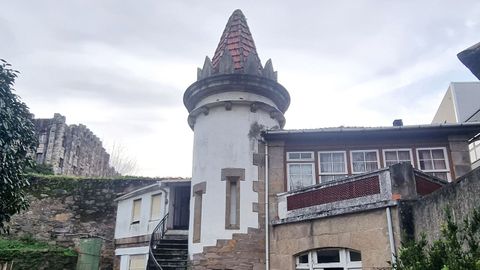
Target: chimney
[398, 123]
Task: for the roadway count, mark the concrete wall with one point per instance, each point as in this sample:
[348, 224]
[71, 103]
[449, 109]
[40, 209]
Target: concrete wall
[226, 138]
[63, 210]
[366, 232]
[461, 196]
[446, 112]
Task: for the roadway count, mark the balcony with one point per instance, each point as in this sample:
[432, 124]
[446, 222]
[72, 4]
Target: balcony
[372, 190]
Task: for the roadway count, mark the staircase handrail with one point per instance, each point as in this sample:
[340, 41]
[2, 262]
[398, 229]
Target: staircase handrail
[157, 235]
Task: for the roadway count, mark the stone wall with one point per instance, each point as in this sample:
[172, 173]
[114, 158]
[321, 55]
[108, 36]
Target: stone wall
[71, 149]
[63, 210]
[427, 213]
[365, 231]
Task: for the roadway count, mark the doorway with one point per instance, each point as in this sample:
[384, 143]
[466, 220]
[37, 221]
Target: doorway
[181, 208]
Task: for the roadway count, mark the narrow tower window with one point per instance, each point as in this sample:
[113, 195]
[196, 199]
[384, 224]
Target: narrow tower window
[198, 191]
[232, 210]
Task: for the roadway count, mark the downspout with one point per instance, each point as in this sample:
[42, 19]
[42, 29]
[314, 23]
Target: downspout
[390, 235]
[267, 236]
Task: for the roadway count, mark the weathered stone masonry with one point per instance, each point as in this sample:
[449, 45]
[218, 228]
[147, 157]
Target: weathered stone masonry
[63, 210]
[71, 149]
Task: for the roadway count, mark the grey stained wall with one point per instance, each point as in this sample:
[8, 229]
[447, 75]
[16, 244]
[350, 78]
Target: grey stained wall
[64, 210]
[461, 196]
[71, 149]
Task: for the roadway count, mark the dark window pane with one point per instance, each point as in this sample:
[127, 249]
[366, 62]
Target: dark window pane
[303, 258]
[355, 256]
[328, 256]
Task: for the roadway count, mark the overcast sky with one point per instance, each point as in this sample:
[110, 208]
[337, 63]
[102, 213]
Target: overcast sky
[121, 67]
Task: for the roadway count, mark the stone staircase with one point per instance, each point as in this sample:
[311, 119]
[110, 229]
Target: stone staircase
[171, 253]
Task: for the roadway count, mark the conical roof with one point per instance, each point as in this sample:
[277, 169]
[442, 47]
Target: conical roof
[237, 41]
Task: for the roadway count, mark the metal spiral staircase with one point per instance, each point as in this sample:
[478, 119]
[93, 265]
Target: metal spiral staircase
[167, 252]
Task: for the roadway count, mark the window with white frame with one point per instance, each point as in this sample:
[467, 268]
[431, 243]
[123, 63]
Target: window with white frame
[394, 156]
[332, 165]
[300, 170]
[434, 161]
[364, 161]
[300, 156]
[137, 262]
[300, 175]
[329, 258]
[474, 149]
[155, 209]
[136, 211]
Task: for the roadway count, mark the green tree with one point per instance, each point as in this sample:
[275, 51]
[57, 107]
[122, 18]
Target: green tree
[17, 140]
[456, 249]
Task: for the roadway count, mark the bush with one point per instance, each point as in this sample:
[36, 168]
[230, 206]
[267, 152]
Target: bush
[456, 249]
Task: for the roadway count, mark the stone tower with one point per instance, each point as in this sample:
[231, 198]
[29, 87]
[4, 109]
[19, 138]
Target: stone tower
[232, 101]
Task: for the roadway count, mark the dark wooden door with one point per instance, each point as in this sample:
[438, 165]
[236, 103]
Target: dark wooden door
[181, 208]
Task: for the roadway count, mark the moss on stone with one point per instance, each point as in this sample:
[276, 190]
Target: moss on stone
[26, 253]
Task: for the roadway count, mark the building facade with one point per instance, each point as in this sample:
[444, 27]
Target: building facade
[262, 197]
[71, 149]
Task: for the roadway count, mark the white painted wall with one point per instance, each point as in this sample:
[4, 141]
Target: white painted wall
[125, 254]
[460, 102]
[221, 141]
[125, 228]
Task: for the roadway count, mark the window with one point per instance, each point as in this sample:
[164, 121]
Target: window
[136, 210]
[394, 156]
[155, 210]
[198, 191]
[330, 258]
[232, 210]
[474, 149]
[137, 262]
[300, 172]
[300, 156]
[333, 165]
[300, 175]
[364, 161]
[434, 161]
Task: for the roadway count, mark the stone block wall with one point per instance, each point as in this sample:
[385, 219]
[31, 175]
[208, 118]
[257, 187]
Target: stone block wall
[427, 213]
[63, 210]
[71, 149]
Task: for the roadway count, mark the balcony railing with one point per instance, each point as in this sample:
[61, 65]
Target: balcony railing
[367, 191]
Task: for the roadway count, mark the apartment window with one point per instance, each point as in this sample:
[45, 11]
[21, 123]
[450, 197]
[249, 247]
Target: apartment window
[474, 149]
[232, 210]
[434, 161]
[155, 210]
[333, 165]
[136, 211]
[300, 156]
[137, 262]
[394, 156]
[330, 258]
[300, 175]
[364, 161]
[300, 170]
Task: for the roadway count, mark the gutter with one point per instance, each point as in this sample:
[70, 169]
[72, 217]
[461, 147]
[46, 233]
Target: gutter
[267, 236]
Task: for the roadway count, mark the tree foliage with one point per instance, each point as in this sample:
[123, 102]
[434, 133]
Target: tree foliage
[17, 140]
[456, 249]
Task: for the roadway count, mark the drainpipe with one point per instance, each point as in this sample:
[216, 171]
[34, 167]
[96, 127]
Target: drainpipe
[390, 234]
[267, 236]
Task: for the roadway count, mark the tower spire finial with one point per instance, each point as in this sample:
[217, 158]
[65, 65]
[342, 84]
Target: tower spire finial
[238, 41]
